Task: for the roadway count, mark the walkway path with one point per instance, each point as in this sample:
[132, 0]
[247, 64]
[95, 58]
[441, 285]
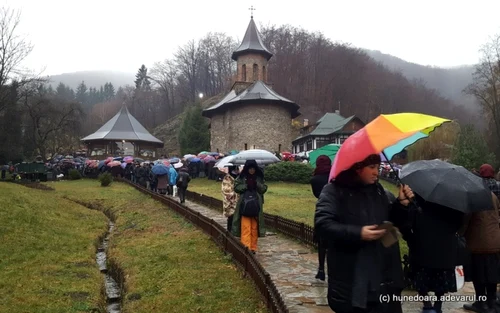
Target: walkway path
[292, 267]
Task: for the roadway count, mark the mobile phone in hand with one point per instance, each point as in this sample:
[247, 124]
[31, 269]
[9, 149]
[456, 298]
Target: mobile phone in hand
[385, 225]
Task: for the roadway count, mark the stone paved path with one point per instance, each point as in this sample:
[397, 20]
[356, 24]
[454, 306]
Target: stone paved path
[292, 267]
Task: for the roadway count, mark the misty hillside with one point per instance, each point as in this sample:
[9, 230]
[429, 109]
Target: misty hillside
[448, 81]
[93, 78]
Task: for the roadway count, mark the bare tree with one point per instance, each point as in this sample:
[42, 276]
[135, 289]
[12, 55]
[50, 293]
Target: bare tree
[14, 48]
[164, 76]
[486, 84]
[49, 116]
[187, 59]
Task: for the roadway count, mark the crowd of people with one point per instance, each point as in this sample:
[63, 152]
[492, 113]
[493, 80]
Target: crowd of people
[353, 212]
[350, 214]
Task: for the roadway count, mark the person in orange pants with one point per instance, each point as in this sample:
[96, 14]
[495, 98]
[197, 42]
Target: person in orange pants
[248, 218]
[249, 232]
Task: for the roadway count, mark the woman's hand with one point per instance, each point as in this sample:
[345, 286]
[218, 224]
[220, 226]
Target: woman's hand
[405, 194]
[369, 233]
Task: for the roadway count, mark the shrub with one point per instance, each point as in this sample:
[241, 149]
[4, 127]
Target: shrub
[74, 174]
[106, 179]
[294, 172]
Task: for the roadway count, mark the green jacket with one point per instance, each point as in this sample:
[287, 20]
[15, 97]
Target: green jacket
[240, 186]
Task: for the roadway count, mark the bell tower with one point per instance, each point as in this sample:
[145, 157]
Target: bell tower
[251, 57]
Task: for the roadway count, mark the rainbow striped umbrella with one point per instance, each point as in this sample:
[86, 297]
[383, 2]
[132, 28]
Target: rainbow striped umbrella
[388, 134]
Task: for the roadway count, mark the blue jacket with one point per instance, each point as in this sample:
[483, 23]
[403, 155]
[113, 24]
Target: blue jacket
[172, 176]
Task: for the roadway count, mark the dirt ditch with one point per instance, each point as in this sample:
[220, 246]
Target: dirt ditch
[34, 185]
[113, 290]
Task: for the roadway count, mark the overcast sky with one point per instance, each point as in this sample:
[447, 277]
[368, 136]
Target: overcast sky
[120, 35]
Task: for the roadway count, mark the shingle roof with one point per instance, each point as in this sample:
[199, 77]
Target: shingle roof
[257, 92]
[328, 124]
[252, 42]
[123, 126]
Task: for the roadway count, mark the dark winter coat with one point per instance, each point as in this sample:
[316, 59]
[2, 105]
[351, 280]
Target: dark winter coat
[318, 182]
[183, 179]
[434, 243]
[482, 231]
[357, 269]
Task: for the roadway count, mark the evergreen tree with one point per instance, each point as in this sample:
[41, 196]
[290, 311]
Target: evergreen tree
[142, 79]
[65, 92]
[471, 150]
[81, 93]
[109, 91]
[194, 135]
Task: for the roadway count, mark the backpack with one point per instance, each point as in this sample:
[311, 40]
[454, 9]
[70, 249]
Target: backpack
[250, 206]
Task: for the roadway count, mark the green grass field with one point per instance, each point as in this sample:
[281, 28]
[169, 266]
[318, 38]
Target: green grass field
[170, 265]
[47, 252]
[290, 200]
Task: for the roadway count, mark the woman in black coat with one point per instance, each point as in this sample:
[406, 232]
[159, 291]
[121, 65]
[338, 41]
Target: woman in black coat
[360, 268]
[434, 251]
[318, 181]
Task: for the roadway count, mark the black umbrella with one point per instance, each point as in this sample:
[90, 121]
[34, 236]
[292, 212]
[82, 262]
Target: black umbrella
[448, 185]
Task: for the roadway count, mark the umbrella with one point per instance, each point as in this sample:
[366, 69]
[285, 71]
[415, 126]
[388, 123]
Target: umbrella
[160, 169]
[114, 163]
[214, 153]
[328, 150]
[118, 159]
[203, 152]
[202, 155]
[174, 160]
[128, 159]
[139, 160]
[195, 160]
[108, 159]
[224, 162]
[165, 162]
[234, 152]
[178, 165]
[260, 156]
[208, 159]
[389, 134]
[189, 156]
[124, 165]
[448, 185]
[101, 164]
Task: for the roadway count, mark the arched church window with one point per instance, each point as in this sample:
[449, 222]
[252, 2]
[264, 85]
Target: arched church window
[255, 72]
[244, 72]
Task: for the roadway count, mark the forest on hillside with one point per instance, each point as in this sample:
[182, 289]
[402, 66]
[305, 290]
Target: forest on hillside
[317, 73]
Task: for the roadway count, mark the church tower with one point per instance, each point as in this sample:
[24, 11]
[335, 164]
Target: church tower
[252, 115]
[251, 57]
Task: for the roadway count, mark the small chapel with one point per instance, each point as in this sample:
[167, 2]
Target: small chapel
[252, 115]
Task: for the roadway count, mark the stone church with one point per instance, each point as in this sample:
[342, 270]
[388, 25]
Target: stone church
[252, 115]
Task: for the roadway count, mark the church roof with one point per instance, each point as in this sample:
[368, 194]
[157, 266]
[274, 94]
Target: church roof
[123, 126]
[252, 42]
[258, 92]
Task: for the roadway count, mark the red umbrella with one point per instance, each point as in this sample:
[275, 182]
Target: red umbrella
[109, 159]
